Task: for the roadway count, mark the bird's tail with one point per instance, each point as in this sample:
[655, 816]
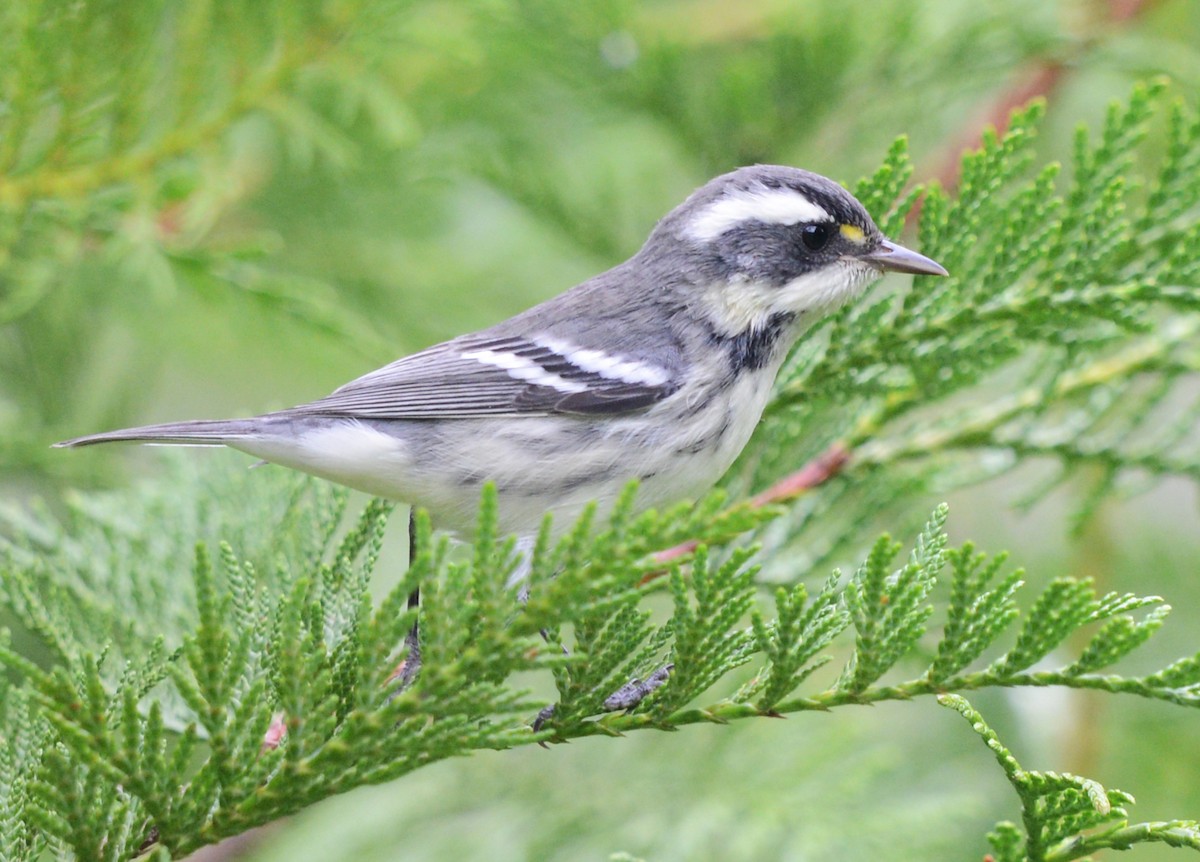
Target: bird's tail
[200, 432]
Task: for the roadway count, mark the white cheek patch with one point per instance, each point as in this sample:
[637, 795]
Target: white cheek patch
[520, 368]
[740, 305]
[820, 293]
[604, 365]
[770, 206]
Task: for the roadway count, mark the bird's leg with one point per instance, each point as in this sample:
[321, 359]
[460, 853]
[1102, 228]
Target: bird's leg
[407, 670]
[546, 712]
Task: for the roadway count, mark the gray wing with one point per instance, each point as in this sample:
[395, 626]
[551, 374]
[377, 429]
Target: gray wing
[477, 376]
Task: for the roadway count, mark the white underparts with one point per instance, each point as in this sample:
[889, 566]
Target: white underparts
[348, 452]
[769, 206]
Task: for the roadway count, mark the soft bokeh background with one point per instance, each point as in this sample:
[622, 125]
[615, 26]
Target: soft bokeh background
[242, 206]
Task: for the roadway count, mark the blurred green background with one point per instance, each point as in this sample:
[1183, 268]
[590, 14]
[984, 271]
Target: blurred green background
[214, 209]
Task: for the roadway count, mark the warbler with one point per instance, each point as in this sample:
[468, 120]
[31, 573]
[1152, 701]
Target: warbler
[656, 370]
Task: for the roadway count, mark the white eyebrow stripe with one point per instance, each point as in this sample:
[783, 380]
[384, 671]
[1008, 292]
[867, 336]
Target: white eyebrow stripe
[520, 368]
[605, 365]
[772, 206]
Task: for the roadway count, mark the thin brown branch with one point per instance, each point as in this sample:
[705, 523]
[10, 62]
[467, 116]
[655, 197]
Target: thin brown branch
[813, 474]
[1041, 78]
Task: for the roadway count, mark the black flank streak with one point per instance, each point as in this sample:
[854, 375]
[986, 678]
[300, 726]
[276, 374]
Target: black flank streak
[708, 441]
[697, 447]
[470, 479]
[557, 484]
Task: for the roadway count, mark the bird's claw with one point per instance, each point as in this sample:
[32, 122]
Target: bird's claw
[626, 697]
[636, 690]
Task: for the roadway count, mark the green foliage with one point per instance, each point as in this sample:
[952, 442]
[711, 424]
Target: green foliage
[24, 733]
[889, 611]
[1065, 816]
[270, 699]
[128, 131]
[1078, 306]
[708, 640]
[312, 654]
[301, 162]
[1068, 604]
[793, 641]
[215, 660]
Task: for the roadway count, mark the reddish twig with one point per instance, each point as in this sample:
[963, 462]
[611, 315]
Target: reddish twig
[816, 472]
[276, 731]
[238, 847]
[1040, 79]
[813, 474]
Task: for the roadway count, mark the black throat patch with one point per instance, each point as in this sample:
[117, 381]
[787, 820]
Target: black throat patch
[753, 348]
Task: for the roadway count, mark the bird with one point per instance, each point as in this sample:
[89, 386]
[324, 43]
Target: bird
[657, 370]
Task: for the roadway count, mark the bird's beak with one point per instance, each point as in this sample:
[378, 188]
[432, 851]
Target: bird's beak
[890, 257]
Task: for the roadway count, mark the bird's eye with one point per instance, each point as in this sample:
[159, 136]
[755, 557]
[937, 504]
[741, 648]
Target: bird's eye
[816, 236]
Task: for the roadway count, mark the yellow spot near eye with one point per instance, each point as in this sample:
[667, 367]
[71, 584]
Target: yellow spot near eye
[852, 233]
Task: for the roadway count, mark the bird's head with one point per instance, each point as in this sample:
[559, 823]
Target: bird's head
[768, 240]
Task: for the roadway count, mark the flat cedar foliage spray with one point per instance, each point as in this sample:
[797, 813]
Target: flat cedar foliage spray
[214, 656]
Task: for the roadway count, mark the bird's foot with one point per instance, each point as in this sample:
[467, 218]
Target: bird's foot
[626, 697]
[405, 673]
[636, 690]
[544, 714]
